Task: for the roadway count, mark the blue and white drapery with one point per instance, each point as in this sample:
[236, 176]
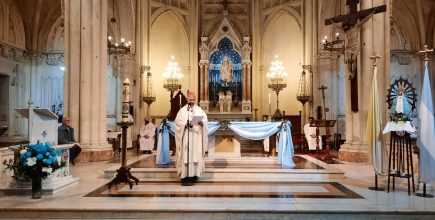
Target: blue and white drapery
[249, 130]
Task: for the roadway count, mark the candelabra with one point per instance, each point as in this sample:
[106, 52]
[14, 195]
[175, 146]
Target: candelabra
[172, 77]
[122, 47]
[277, 76]
[336, 45]
[149, 96]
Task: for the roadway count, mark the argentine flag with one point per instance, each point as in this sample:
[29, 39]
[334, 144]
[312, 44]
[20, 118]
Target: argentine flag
[426, 141]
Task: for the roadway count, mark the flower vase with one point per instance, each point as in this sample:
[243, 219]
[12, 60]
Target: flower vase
[36, 187]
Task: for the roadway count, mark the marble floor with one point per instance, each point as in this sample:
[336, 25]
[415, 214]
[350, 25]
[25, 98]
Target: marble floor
[341, 198]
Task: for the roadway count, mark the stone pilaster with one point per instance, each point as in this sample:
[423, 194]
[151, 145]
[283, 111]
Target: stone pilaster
[86, 75]
[375, 34]
[143, 27]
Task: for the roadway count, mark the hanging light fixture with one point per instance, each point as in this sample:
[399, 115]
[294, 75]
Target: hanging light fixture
[336, 45]
[172, 77]
[277, 77]
[303, 95]
[113, 47]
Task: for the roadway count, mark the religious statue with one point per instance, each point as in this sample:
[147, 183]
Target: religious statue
[226, 70]
[401, 103]
[246, 48]
[204, 49]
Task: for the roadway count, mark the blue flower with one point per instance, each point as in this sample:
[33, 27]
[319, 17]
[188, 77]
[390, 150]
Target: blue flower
[28, 154]
[47, 161]
[39, 157]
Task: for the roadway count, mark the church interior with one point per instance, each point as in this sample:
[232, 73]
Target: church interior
[314, 109]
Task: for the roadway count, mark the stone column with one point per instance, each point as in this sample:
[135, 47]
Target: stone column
[86, 75]
[246, 103]
[204, 51]
[244, 82]
[203, 67]
[142, 41]
[375, 34]
[246, 76]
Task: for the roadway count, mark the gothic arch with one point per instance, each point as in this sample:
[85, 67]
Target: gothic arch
[278, 12]
[231, 34]
[16, 21]
[403, 17]
[179, 17]
[275, 18]
[55, 38]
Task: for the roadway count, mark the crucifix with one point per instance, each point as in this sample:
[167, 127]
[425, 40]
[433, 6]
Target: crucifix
[426, 52]
[375, 59]
[323, 97]
[351, 24]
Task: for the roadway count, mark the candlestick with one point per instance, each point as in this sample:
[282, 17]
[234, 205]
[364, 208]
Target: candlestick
[125, 100]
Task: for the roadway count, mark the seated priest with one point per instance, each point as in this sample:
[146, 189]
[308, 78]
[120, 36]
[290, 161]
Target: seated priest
[310, 135]
[66, 136]
[146, 139]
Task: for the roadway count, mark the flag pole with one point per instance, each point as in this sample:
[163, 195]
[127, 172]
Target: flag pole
[426, 53]
[376, 187]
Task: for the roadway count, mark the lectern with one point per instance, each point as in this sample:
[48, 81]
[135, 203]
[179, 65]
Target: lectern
[322, 124]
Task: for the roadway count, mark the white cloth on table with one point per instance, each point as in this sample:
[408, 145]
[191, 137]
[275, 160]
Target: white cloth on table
[147, 130]
[308, 131]
[399, 126]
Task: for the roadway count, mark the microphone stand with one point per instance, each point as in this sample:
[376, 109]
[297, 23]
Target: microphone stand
[188, 183]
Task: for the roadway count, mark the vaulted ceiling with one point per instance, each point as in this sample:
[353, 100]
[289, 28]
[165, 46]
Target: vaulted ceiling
[38, 18]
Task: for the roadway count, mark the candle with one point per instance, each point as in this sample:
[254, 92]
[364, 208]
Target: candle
[269, 98]
[180, 100]
[125, 100]
[126, 90]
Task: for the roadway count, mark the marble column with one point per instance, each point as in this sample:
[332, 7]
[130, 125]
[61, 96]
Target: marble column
[203, 72]
[86, 75]
[375, 39]
[246, 103]
[201, 83]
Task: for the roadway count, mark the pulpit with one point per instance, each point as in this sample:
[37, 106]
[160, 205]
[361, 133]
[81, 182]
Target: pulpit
[42, 128]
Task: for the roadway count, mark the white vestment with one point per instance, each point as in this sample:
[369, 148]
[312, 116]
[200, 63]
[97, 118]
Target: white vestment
[191, 143]
[308, 131]
[147, 130]
[129, 134]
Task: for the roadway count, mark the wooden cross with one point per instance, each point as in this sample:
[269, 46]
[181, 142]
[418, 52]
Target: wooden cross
[349, 20]
[323, 96]
[426, 52]
[374, 58]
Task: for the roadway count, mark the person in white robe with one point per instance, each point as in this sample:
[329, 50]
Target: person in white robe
[129, 133]
[310, 135]
[191, 142]
[146, 140]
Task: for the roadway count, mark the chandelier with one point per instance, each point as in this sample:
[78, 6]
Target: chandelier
[172, 76]
[336, 45]
[113, 47]
[149, 96]
[303, 94]
[277, 77]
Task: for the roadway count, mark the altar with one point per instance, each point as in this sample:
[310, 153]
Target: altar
[225, 139]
